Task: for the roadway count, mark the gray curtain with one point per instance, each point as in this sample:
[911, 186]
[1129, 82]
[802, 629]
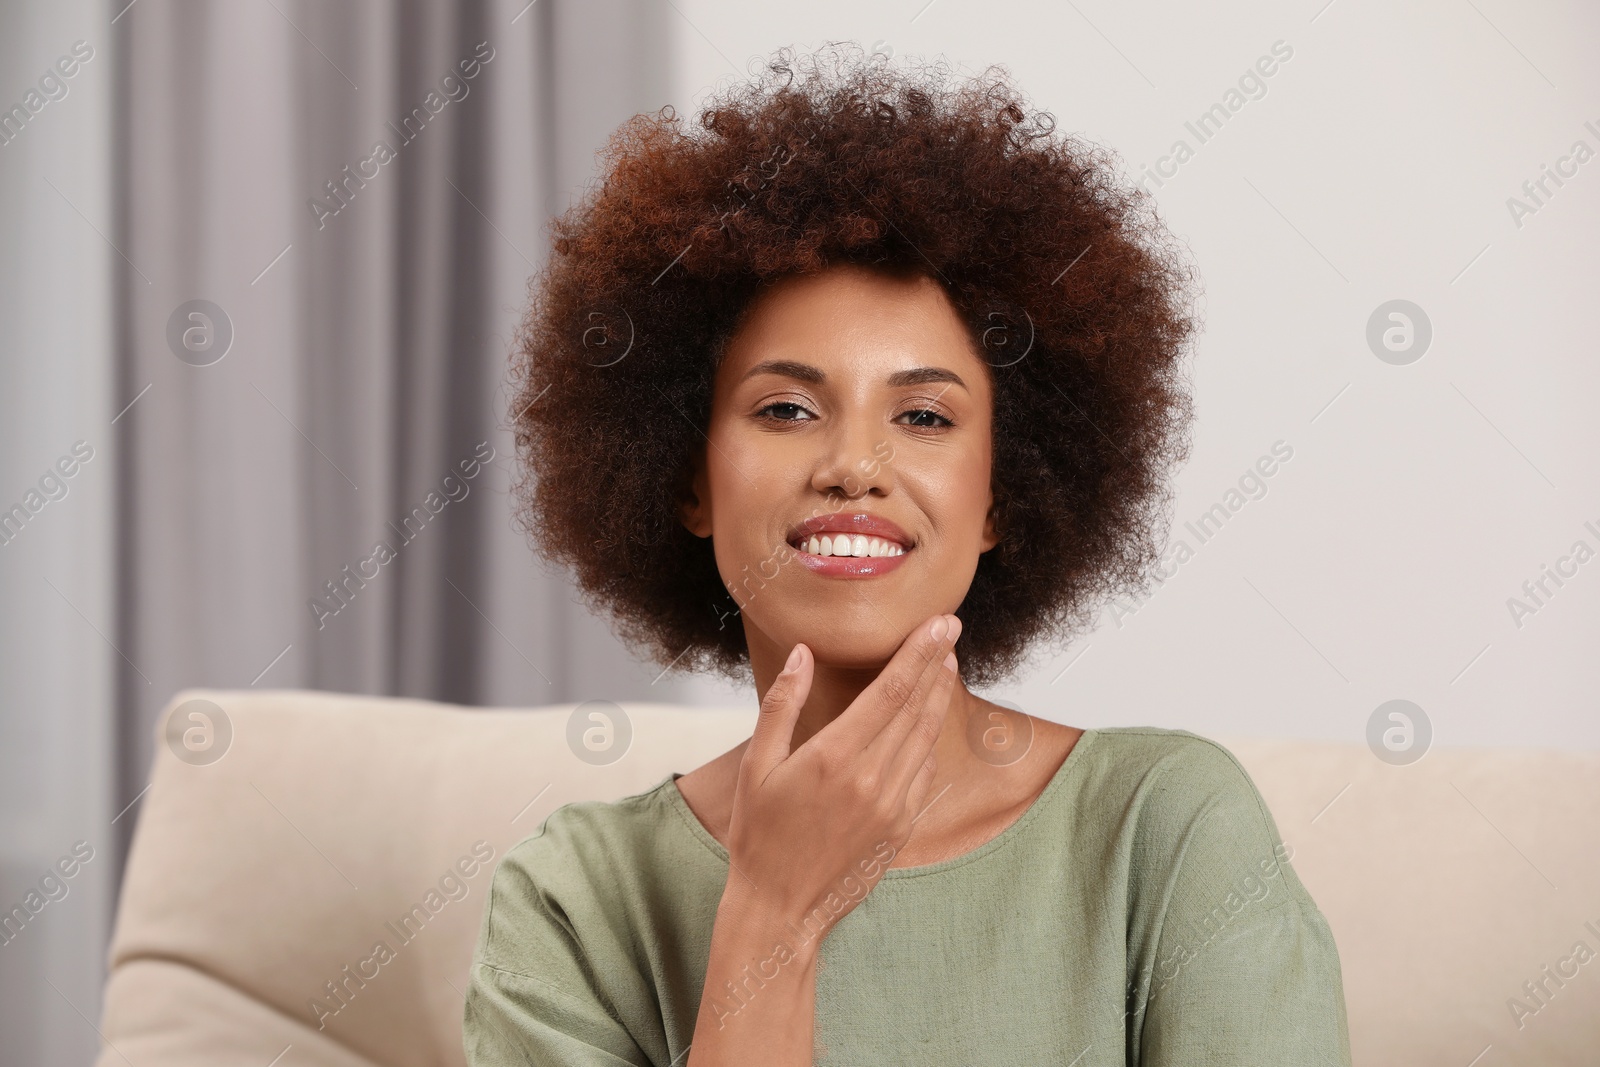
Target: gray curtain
[358, 192]
[55, 555]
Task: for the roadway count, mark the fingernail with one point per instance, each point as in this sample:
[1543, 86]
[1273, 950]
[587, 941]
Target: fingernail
[937, 630]
[955, 627]
[950, 661]
[794, 661]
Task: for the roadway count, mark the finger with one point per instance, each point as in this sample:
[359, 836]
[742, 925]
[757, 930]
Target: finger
[889, 739]
[780, 710]
[893, 735]
[911, 667]
[904, 765]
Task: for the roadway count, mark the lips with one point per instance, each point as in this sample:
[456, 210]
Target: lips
[884, 546]
[852, 523]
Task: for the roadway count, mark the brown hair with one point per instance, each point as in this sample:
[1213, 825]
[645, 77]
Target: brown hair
[1074, 292]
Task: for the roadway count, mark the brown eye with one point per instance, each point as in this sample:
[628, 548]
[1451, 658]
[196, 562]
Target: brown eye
[786, 406]
[919, 413]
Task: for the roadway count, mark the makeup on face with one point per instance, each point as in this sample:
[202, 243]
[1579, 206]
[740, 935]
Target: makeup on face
[846, 478]
[850, 545]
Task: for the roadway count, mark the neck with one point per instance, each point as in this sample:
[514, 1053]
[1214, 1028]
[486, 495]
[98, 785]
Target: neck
[835, 688]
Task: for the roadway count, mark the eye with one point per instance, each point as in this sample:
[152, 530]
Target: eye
[785, 406]
[923, 413]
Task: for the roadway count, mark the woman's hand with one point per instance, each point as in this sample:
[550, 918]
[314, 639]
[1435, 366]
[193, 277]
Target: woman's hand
[825, 819]
[829, 817]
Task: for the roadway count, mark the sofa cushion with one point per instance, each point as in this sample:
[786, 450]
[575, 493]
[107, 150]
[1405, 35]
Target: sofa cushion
[320, 885]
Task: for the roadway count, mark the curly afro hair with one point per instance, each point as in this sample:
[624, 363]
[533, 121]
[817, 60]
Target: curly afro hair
[1073, 290]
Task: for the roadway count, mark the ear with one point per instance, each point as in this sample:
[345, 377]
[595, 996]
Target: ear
[695, 511]
[991, 526]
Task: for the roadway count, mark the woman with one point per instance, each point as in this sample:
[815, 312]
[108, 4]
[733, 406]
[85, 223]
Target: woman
[856, 394]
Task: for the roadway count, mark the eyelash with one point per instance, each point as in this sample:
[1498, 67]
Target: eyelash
[762, 414]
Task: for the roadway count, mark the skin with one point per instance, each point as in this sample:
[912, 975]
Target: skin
[840, 758]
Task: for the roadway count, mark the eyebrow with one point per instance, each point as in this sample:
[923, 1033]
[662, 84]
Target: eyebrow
[805, 372]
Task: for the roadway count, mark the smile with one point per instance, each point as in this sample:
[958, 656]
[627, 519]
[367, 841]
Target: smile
[857, 545]
[850, 545]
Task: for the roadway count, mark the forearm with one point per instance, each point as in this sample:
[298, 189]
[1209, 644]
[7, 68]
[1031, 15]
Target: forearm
[759, 1000]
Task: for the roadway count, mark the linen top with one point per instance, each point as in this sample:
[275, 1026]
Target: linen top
[1140, 912]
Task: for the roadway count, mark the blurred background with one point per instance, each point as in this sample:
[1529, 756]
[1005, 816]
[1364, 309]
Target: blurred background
[240, 344]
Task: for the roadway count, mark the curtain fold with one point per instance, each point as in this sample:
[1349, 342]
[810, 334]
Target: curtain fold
[329, 215]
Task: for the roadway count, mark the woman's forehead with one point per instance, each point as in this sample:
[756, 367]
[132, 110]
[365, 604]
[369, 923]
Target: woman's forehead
[850, 320]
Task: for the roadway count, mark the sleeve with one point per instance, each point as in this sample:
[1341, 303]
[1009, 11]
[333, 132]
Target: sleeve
[1246, 972]
[534, 998]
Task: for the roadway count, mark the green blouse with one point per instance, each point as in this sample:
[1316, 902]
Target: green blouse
[1141, 911]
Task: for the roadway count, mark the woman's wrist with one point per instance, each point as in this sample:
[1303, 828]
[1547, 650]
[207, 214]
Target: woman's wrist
[760, 988]
[765, 923]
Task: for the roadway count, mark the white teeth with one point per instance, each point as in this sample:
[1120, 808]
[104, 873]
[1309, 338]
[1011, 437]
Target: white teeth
[850, 545]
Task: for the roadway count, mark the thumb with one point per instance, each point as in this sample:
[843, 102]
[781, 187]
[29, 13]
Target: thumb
[780, 710]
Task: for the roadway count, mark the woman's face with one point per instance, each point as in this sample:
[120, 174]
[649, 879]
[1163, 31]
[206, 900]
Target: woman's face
[854, 399]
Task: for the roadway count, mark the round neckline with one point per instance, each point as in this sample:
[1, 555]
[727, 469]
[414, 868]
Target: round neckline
[679, 805]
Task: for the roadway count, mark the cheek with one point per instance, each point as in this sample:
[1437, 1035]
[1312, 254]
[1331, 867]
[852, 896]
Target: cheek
[743, 483]
[955, 491]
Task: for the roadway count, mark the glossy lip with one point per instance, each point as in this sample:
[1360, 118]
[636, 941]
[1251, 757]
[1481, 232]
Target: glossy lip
[857, 522]
[851, 566]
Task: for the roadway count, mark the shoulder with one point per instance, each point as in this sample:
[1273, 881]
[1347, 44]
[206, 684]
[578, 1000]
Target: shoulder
[1173, 766]
[1189, 801]
[549, 877]
[1218, 919]
[584, 837]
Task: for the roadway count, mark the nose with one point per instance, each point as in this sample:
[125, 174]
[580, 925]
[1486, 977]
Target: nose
[852, 463]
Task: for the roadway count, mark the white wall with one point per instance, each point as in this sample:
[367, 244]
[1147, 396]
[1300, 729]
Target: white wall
[55, 589]
[1418, 498]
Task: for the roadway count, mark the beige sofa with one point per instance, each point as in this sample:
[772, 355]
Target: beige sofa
[332, 823]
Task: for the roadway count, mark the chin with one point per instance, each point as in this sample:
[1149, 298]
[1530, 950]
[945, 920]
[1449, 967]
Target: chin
[855, 660]
[857, 647]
